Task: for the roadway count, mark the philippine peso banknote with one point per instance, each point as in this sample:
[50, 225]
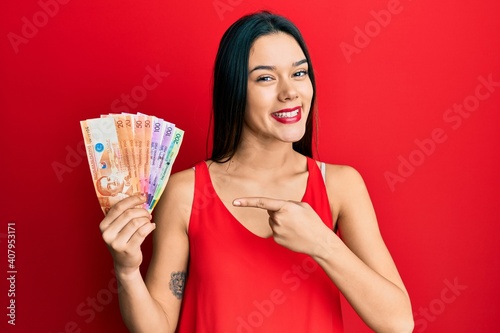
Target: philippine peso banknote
[160, 160]
[130, 154]
[166, 169]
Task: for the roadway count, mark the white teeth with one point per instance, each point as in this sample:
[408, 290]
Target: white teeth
[286, 114]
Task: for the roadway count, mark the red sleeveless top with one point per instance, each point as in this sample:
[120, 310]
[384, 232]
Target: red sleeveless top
[241, 283]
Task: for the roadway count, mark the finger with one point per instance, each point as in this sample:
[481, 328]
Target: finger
[128, 232]
[130, 217]
[260, 202]
[119, 208]
[140, 235]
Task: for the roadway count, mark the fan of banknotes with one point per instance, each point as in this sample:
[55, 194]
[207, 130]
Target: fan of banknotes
[130, 154]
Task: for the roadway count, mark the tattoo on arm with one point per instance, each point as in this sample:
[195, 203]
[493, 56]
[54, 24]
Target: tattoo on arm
[176, 284]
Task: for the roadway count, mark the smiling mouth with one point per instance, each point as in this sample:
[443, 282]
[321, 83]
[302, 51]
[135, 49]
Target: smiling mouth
[290, 114]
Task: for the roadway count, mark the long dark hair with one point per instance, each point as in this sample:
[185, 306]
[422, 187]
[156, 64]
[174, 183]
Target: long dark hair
[231, 79]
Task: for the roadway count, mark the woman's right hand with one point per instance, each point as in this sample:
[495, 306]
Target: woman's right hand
[124, 229]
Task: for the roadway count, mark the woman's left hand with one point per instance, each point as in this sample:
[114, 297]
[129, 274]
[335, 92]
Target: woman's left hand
[295, 225]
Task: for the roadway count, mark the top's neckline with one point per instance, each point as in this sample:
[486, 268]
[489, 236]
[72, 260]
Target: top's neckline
[310, 163]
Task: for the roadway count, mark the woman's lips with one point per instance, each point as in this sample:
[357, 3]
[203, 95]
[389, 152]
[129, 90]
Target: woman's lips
[288, 116]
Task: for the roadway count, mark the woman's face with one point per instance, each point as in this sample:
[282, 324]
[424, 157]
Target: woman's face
[279, 89]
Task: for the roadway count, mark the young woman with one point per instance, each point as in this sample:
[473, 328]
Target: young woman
[260, 238]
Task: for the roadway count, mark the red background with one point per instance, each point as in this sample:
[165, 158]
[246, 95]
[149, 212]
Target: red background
[439, 219]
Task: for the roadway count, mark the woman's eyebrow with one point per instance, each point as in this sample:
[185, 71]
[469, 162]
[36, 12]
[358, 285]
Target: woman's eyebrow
[270, 68]
[273, 68]
[300, 62]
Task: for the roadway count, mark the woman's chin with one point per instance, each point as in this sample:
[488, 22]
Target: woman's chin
[293, 136]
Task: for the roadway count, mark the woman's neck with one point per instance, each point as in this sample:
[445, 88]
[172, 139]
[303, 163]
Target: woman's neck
[262, 159]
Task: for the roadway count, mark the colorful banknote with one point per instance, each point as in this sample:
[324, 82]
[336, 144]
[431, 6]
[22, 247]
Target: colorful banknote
[130, 154]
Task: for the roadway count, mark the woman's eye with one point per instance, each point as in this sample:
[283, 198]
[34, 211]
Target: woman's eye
[264, 78]
[300, 73]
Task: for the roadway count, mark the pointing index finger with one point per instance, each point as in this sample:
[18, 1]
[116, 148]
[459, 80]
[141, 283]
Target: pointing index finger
[260, 202]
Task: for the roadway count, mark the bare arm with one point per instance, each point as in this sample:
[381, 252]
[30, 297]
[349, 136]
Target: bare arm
[151, 306]
[167, 271]
[359, 264]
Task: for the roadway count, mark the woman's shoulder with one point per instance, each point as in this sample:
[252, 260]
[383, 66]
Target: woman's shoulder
[341, 180]
[340, 172]
[344, 186]
[179, 190]
[182, 177]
